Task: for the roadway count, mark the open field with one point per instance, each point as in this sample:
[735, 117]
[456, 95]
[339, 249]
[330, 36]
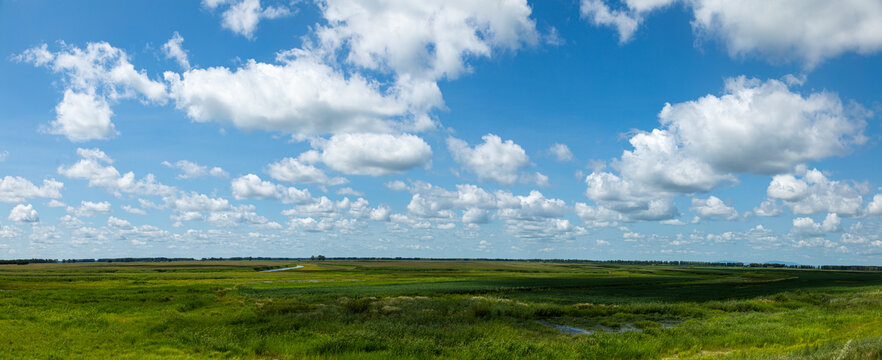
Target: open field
[425, 309]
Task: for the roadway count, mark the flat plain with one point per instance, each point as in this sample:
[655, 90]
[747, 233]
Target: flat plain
[435, 309]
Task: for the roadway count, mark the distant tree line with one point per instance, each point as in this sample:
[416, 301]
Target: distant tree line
[249, 258]
[787, 266]
[27, 261]
[851, 267]
[398, 258]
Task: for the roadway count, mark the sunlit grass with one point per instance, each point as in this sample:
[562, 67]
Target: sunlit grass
[414, 309]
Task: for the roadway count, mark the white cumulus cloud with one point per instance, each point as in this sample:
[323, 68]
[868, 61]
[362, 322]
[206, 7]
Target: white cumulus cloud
[807, 31]
[300, 171]
[16, 189]
[428, 40]
[754, 127]
[190, 170]
[89, 208]
[252, 187]
[24, 213]
[561, 152]
[93, 78]
[173, 50]
[243, 16]
[373, 154]
[301, 96]
[813, 193]
[875, 206]
[95, 167]
[713, 207]
[494, 160]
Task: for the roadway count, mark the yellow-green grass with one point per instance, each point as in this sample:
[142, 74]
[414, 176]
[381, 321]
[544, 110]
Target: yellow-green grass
[430, 309]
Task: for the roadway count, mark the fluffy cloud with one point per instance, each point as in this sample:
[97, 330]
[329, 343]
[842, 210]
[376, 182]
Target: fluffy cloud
[396, 185]
[55, 203]
[660, 162]
[88, 208]
[300, 171]
[807, 226]
[15, 189]
[764, 127]
[535, 217]
[174, 50]
[561, 152]
[493, 160]
[808, 233]
[349, 191]
[758, 237]
[24, 213]
[190, 170]
[309, 224]
[241, 215]
[216, 211]
[133, 210]
[601, 14]
[118, 223]
[424, 40]
[308, 93]
[197, 202]
[475, 216]
[713, 207]
[862, 237]
[381, 213]
[242, 16]
[9, 232]
[321, 207]
[875, 206]
[326, 215]
[620, 199]
[813, 193]
[95, 167]
[533, 206]
[252, 187]
[598, 216]
[609, 214]
[532, 216]
[83, 117]
[93, 78]
[543, 229]
[808, 31]
[769, 207]
[301, 96]
[429, 201]
[755, 127]
[373, 154]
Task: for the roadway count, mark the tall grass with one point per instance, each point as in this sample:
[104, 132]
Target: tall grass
[461, 310]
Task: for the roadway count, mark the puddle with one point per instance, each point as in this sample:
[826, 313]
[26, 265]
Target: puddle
[625, 327]
[321, 280]
[569, 330]
[283, 269]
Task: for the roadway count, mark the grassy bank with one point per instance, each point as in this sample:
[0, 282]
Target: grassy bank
[468, 310]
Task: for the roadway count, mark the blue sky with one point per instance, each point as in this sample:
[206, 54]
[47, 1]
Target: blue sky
[641, 129]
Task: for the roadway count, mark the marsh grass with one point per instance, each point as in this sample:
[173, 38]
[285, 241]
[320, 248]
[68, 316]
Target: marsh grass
[466, 310]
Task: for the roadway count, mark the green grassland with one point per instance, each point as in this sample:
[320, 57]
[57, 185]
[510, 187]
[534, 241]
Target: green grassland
[430, 309]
